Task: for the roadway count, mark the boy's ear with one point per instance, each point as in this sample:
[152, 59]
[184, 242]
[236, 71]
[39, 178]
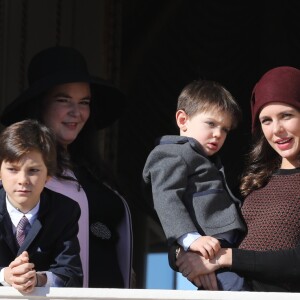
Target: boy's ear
[181, 119]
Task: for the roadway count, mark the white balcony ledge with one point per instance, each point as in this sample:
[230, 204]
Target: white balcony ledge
[140, 294]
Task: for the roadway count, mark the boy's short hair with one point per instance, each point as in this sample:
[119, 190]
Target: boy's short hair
[205, 95]
[22, 137]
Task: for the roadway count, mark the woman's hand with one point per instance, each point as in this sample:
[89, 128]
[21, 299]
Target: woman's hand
[207, 282]
[200, 271]
[192, 265]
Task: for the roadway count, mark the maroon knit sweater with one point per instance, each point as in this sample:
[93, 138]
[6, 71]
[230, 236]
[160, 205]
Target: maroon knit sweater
[272, 213]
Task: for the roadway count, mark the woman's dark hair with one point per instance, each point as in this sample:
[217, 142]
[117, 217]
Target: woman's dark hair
[261, 162]
[85, 152]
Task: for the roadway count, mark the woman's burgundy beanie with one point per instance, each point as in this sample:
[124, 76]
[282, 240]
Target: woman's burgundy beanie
[281, 84]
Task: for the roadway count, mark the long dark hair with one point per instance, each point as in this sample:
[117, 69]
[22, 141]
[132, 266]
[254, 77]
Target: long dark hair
[261, 162]
[85, 152]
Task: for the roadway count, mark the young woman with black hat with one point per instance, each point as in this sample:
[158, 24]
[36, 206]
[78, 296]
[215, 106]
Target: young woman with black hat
[64, 96]
[269, 256]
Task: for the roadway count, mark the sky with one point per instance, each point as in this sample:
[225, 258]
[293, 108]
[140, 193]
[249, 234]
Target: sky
[161, 276]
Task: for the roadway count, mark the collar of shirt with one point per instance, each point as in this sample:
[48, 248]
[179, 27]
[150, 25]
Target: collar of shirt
[16, 215]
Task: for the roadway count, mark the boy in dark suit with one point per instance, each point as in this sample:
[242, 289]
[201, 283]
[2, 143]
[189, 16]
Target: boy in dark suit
[38, 227]
[186, 178]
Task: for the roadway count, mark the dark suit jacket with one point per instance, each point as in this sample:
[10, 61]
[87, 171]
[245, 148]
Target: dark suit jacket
[52, 241]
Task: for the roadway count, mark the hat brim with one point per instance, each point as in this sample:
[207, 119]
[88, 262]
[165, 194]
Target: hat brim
[107, 105]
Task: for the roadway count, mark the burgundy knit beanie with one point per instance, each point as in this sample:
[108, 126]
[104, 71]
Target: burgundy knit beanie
[281, 84]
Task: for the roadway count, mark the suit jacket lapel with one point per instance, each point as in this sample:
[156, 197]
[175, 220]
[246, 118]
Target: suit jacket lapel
[6, 224]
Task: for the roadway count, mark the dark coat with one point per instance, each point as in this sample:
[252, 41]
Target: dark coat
[51, 242]
[110, 248]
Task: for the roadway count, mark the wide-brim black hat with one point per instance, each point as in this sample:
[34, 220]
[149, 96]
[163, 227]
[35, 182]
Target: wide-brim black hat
[59, 65]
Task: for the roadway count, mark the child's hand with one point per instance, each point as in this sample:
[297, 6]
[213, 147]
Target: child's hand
[20, 274]
[208, 246]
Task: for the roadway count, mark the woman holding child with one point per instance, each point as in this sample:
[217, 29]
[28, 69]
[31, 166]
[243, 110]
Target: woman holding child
[269, 256]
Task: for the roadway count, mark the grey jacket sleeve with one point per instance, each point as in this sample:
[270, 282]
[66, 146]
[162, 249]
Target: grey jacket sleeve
[167, 173]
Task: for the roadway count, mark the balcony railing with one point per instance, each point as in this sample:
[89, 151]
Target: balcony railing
[140, 294]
